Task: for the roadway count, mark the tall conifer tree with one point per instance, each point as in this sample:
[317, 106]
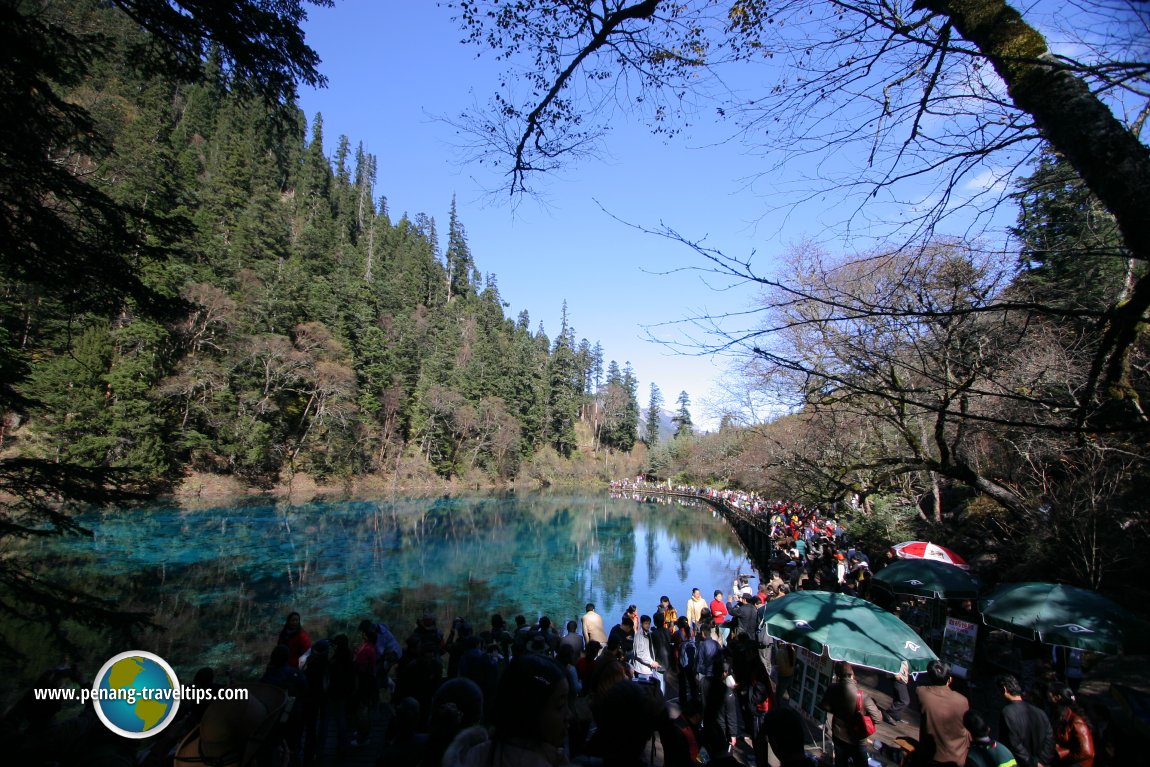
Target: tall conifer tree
[654, 413]
[682, 418]
[565, 383]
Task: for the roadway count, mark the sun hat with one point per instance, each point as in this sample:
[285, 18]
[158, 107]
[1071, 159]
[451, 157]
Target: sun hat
[232, 733]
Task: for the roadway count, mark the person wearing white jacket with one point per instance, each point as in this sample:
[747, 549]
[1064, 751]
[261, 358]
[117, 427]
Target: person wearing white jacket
[644, 663]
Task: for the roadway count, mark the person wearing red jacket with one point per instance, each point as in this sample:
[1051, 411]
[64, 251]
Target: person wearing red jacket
[1073, 738]
[295, 638]
[719, 616]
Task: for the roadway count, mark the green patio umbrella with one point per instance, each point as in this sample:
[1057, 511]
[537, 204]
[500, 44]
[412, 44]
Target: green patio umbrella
[927, 578]
[1064, 615]
[847, 628]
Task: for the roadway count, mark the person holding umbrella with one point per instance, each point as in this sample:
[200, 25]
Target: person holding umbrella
[845, 702]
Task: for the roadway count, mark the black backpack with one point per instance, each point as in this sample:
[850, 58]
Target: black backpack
[688, 654]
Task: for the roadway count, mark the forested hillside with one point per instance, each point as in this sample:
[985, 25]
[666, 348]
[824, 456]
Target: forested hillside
[284, 319]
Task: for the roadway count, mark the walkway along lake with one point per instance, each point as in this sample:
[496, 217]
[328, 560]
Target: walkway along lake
[221, 580]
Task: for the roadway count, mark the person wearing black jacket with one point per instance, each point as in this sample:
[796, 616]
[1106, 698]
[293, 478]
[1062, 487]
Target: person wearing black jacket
[1023, 727]
[661, 641]
[743, 622]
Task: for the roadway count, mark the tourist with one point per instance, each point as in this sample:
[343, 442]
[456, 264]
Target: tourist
[643, 661]
[366, 689]
[626, 718]
[573, 639]
[293, 636]
[901, 697]
[456, 706]
[670, 614]
[341, 689]
[721, 708]
[404, 743]
[1073, 738]
[784, 663]
[593, 626]
[943, 740]
[240, 731]
[455, 645]
[387, 652]
[585, 665]
[282, 673]
[661, 642]
[537, 645]
[420, 676]
[481, 664]
[783, 731]
[695, 606]
[622, 636]
[549, 634]
[610, 669]
[686, 652]
[984, 750]
[1023, 727]
[682, 735]
[710, 654]
[719, 616]
[566, 660]
[844, 701]
[317, 676]
[427, 634]
[520, 635]
[530, 720]
[500, 635]
[743, 619]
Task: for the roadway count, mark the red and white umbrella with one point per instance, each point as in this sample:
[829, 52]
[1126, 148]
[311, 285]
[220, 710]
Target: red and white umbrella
[925, 550]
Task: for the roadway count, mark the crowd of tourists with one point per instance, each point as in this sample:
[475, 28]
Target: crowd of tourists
[704, 684]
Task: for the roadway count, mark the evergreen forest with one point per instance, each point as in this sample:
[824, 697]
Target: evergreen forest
[284, 320]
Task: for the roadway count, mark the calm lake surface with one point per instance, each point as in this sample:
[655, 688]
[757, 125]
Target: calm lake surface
[221, 580]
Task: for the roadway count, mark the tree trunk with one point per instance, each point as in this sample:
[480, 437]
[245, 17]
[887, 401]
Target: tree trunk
[1109, 157]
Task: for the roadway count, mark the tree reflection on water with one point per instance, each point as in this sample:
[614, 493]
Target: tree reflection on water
[220, 580]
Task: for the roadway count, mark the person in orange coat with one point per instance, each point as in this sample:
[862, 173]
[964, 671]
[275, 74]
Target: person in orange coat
[1073, 738]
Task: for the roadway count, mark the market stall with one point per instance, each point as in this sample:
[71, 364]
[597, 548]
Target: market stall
[921, 591]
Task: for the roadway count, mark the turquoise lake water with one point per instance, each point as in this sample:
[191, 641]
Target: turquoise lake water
[221, 580]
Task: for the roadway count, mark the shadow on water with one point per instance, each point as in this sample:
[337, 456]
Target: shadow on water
[221, 580]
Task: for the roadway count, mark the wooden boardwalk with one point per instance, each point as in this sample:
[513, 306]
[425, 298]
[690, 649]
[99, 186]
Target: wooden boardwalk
[362, 755]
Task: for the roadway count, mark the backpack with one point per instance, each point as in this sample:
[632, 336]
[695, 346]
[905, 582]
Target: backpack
[688, 654]
[386, 642]
[761, 635]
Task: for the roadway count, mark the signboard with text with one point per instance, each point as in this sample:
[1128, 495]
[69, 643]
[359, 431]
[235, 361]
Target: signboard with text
[958, 638]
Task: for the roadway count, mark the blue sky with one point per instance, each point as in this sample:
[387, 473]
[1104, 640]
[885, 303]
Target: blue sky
[393, 68]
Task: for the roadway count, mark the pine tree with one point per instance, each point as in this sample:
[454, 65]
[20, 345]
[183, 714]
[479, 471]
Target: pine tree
[458, 257]
[1072, 255]
[564, 385]
[628, 430]
[682, 417]
[654, 413]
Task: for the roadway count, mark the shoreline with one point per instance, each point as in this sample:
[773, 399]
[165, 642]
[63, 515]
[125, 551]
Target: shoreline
[199, 489]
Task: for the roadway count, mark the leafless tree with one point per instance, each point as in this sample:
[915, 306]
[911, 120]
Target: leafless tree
[921, 112]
